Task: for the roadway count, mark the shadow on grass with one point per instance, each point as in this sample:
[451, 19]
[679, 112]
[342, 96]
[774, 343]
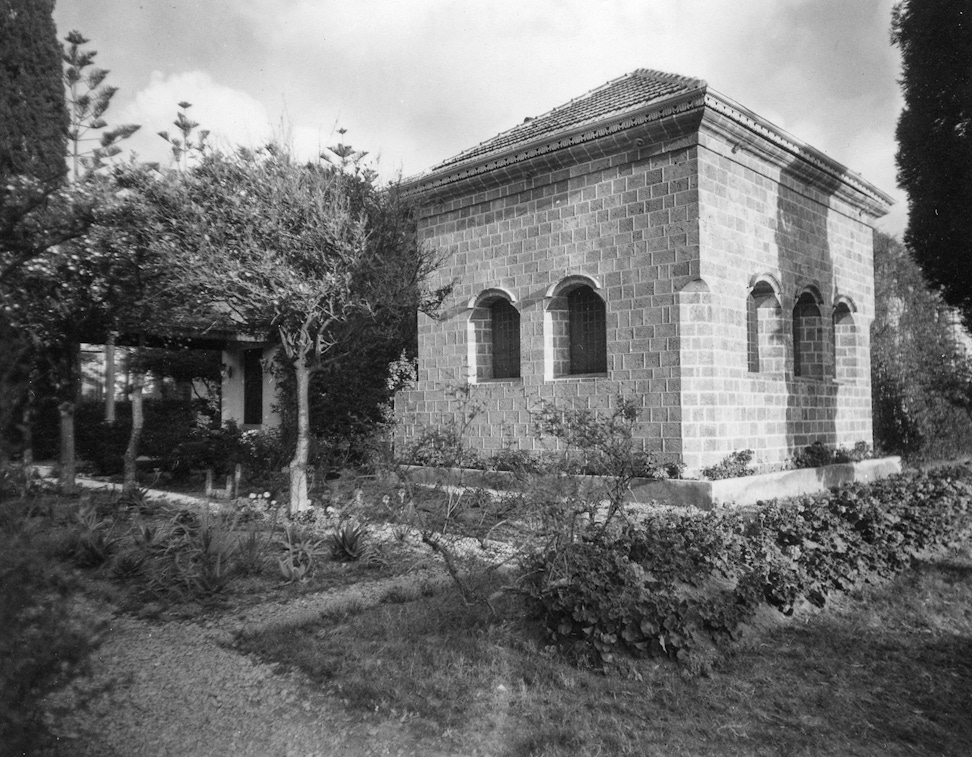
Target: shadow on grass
[886, 672]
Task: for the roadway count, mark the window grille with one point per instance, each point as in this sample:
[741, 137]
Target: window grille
[752, 332]
[505, 325]
[587, 331]
[807, 338]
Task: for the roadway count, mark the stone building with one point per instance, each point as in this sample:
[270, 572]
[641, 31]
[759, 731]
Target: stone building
[654, 239]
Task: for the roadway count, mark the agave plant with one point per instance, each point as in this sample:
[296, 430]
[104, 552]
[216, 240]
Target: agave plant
[348, 542]
[300, 549]
[291, 570]
[250, 559]
[128, 563]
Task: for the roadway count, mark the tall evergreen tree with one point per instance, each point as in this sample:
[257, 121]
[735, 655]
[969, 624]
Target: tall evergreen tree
[935, 140]
[33, 117]
[33, 139]
[88, 98]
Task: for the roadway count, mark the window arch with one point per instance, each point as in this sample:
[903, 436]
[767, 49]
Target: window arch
[764, 327]
[845, 342]
[808, 338]
[575, 328]
[493, 336]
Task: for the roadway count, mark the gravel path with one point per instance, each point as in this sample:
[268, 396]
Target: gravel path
[178, 689]
[175, 688]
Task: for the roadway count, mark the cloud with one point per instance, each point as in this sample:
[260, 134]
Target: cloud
[233, 117]
[420, 81]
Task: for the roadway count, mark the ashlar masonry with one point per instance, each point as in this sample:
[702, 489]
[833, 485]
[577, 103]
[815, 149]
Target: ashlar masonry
[657, 240]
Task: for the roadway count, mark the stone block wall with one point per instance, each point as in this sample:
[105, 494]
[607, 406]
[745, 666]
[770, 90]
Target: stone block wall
[626, 224]
[764, 220]
[700, 237]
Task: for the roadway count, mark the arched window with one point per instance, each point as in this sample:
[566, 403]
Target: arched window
[574, 328]
[808, 338]
[505, 325]
[587, 331]
[764, 326]
[845, 343]
[494, 336]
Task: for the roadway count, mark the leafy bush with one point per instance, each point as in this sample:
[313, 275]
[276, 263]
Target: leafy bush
[814, 456]
[921, 382]
[860, 451]
[819, 454]
[44, 643]
[168, 424]
[681, 584]
[597, 443]
[261, 453]
[733, 465]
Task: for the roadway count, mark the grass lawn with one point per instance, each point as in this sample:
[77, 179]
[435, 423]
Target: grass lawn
[885, 671]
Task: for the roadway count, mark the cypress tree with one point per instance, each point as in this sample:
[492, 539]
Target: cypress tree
[935, 141]
[33, 115]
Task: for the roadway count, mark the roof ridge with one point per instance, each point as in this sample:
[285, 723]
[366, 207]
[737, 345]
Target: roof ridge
[690, 81]
[648, 74]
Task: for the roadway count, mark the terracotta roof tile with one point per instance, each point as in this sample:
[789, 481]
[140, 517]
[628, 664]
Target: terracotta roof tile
[628, 92]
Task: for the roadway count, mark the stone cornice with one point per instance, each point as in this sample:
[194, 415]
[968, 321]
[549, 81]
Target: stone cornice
[779, 147]
[720, 116]
[436, 179]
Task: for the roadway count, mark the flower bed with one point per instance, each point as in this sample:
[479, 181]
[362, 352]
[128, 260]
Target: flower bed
[681, 582]
[701, 494]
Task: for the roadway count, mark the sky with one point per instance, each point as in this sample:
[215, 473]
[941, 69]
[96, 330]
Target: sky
[417, 81]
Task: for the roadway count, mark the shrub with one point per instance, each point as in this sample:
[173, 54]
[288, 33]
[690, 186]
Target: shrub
[168, 424]
[261, 453]
[922, 392]
[681, 584]
[860, 451]
[44, 643]
[814, 456]
[819, 454]
[733, 465]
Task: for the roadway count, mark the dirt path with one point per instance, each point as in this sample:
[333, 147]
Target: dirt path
[176, 688]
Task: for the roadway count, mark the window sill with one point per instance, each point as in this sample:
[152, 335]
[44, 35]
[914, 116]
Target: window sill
[514, 380]
[583, 376]
[813, 380]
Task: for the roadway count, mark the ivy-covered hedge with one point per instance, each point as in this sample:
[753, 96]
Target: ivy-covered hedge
[679, 582]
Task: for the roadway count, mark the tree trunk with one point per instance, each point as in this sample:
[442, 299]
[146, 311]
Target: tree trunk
[70, 391]
[27, 430]
[66, 477]
[299, 499]
[110, 379]
[130, 483]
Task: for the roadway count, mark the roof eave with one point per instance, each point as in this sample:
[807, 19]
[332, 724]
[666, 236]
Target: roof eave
[880, 202]
[439, 177]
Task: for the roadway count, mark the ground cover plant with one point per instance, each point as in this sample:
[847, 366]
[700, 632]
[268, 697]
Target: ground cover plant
[156, 559]
[885, 671]
[733, 465]
[680, 584]
[47, 636]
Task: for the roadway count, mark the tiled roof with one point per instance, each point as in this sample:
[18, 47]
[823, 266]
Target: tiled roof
[618, 96]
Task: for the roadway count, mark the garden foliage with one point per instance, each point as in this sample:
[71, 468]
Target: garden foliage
[921, 382]
[679, 584]
[45, 641]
